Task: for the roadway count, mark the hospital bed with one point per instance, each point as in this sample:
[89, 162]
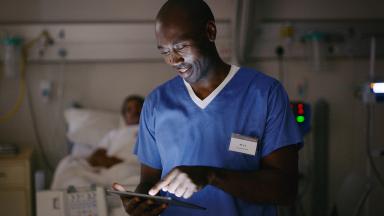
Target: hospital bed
[77, 188]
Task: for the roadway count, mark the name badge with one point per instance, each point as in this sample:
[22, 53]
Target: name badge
[243, 144]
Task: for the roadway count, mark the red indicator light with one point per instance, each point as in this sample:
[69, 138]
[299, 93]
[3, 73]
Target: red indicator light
[300, 109]
[300, 106]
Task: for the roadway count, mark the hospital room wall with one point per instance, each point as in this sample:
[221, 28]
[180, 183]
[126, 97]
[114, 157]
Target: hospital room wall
[103, 85]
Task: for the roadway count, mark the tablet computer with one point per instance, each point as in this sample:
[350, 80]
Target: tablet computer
[159, 199]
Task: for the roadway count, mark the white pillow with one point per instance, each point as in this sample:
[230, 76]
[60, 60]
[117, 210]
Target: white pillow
[88, 127]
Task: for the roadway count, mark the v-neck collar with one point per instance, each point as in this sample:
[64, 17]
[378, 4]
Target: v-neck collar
[206, 101]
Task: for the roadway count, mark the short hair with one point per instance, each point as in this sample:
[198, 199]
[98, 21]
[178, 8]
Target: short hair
[139, 99]
[198, 10]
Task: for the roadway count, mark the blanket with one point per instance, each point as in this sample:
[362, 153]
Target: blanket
[76, 171]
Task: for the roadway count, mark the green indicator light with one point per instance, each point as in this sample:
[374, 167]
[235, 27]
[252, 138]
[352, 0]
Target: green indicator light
[300, 119]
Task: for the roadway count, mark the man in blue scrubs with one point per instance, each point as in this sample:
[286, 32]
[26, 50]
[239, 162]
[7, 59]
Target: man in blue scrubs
[216, 135]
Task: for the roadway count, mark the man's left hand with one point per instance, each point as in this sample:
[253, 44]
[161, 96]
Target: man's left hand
[183, 181]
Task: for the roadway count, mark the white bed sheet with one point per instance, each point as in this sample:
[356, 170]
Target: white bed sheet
[74, 170]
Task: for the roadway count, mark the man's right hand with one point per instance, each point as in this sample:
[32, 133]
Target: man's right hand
[139, 207]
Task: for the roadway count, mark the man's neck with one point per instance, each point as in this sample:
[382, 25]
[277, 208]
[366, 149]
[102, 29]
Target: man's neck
[213, 79]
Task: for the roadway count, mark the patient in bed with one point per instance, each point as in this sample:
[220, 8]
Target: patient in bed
[111, 160]
[131, 113]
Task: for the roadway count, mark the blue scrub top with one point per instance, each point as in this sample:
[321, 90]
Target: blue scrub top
[175, 131]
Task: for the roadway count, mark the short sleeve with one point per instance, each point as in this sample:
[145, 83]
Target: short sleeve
[146, 148]
[105, 142]
[281, 129]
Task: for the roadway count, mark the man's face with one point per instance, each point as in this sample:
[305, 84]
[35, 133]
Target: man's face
[132, 112]
[183, 49]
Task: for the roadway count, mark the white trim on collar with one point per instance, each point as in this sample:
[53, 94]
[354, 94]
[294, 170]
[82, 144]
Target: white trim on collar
[206, 101]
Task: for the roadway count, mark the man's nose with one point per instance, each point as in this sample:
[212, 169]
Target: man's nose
[175, 58]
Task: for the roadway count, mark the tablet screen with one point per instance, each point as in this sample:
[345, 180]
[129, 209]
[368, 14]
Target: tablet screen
[158, 199]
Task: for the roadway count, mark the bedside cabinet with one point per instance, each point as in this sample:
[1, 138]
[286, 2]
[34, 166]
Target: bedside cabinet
[15, 184]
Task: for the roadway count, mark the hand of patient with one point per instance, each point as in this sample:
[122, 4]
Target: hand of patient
[138, 206]
[99, 158]
[183, 181]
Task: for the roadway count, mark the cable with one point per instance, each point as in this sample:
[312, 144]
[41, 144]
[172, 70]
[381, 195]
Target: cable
[35, 130]
[19, 101]
[33, 117]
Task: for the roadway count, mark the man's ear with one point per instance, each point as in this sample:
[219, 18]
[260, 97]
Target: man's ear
[211, 31]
